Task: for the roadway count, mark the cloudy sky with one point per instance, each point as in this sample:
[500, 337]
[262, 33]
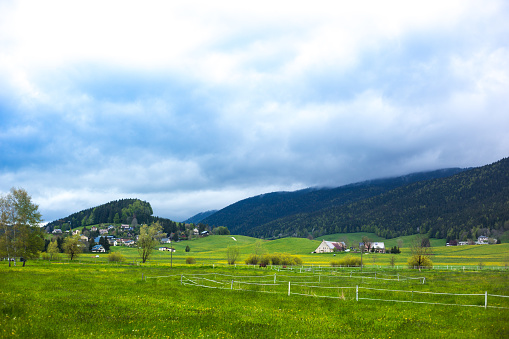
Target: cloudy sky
[194, 105]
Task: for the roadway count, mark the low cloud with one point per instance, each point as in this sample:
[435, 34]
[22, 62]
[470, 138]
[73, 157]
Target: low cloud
[195, 107]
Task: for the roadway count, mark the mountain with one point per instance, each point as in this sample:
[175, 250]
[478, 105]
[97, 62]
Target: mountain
[199, 217]
[462, 206]
[118, 211]
[253, 212]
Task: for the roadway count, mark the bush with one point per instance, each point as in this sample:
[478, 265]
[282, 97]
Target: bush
[188, 249]
[348, 261]
[419, 261]
[395, 250]
[277, 259]
[252, 259]
[190, 260]
[116, 256]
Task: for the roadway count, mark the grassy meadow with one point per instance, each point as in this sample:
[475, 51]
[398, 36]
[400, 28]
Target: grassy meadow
[93, 297]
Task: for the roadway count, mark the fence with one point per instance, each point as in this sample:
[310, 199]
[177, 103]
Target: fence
[325, 287]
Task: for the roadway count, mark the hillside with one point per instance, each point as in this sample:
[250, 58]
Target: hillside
[247, 214]
[195, 219]
[462, 206]
[113, 212]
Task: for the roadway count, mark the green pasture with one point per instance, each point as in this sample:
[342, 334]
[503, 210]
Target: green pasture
[78, 300]
[212, 251]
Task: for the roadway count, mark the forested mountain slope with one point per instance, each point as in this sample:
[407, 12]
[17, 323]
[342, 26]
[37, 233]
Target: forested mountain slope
[246, 214]
[118, 211]
[456, 207]
[195, 219]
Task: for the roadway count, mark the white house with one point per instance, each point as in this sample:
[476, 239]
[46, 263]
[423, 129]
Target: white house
[98, 248]
[166, 249]
[378, 247]
[57, 231]
[330, 246]
[482, 240]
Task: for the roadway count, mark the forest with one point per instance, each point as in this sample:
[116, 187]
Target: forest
[122, 211]
[463, 206]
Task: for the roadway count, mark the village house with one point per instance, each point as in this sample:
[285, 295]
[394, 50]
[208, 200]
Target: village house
[482, 240]
[166, 249]
[93, 229]
[57, 231]
[330, 246]
[378, 247]
[98, 248]
[76, 232]
[103, 231]
[84, 238]
[124, 227]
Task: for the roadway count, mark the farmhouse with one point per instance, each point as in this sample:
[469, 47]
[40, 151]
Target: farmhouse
[57, 231]
[103, 231]
[330, 246]
[378, 247]
[166, 249]
[98, 248]
[93, 229]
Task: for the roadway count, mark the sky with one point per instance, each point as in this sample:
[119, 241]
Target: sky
[194, 105]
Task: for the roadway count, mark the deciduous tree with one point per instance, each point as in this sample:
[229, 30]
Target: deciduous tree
[73, 246]
[149, 237]
[232, 254]
[20, 234]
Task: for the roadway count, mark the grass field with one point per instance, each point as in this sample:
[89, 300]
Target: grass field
[212, 250]
[93, 297]
[112, 301]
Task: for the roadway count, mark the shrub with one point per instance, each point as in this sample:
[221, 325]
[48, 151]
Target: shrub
[265, 260]
[252, 259]
[347, 261]
[116, 256]
[188, 249]
[190, 260]
[284, 259]
[419, 261]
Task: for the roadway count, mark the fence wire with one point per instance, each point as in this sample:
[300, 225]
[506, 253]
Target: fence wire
[326, 287]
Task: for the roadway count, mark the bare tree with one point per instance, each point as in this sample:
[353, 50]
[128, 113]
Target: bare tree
[232, 254]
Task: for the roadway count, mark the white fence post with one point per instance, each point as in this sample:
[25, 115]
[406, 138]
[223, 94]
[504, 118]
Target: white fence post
[181, 279]
[289, 288]
[485, 299]
[274, 278]
[357, 293]
[231, 286]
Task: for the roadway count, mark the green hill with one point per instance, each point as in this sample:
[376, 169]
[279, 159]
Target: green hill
[462, 206]
[246, 214]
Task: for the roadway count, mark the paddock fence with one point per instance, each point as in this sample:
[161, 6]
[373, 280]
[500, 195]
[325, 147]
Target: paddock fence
[322, 286]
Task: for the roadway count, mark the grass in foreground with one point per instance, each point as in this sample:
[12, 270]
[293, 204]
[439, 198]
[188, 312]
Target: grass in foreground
[75, 301]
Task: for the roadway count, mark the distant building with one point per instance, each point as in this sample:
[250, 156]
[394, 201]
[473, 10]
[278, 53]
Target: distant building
[378, 247]
[330, 246]
[98, 248]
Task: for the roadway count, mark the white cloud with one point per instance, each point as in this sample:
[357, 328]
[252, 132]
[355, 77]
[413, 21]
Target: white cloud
[197, 104]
